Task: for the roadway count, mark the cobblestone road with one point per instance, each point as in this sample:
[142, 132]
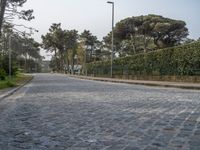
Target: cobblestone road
[54, 112]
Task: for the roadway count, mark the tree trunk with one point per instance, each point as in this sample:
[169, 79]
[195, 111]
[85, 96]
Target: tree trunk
[133, 44]
[66, 61]
[2, 11]
[57, 67]
[145, 44]
[61, 62]
[73, 54]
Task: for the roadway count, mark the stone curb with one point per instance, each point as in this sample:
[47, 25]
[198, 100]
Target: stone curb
[12, 91]
[181, 85]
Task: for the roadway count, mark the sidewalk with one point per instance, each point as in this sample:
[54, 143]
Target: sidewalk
[183, 85]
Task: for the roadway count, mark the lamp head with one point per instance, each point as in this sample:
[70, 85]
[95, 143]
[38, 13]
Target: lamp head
[110, 2]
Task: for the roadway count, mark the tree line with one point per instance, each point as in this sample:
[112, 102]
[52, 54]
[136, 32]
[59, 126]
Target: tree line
[132, 35]
[25, 51]
[70, 48]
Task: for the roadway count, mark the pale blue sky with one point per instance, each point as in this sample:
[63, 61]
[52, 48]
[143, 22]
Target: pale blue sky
[95, 15]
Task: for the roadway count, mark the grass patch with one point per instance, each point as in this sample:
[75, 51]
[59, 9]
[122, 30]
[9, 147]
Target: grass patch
[15, 81]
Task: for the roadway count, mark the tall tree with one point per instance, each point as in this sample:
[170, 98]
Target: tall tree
[53, 42]
[8, 11]
[142, 31]
[107, 44]
[168, 32]
[63, 43]
[2, 12]
[71, 46]
[90, 42]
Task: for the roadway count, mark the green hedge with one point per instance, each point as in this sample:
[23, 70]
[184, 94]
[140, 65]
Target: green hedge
[179, 60]
[2, 74]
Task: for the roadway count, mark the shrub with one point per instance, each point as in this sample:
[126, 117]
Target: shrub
[10, 84]
[2, 74]
[5, 65]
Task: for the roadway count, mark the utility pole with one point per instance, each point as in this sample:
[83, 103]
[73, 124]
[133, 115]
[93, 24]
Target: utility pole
[9, 55]
[112, 45]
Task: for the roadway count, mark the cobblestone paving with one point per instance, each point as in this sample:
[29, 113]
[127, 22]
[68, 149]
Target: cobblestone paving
[59, 113]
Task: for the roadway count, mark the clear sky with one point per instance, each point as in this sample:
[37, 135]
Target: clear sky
[95, 15]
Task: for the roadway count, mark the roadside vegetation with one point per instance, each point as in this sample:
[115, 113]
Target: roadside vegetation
[177, 61]
[17, 80]
[143, 45]
[17, 47]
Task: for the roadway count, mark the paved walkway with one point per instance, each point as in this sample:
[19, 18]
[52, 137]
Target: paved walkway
[55, 112]
[184, 85]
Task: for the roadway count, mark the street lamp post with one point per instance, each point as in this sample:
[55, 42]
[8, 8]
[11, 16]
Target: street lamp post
[112, 46]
